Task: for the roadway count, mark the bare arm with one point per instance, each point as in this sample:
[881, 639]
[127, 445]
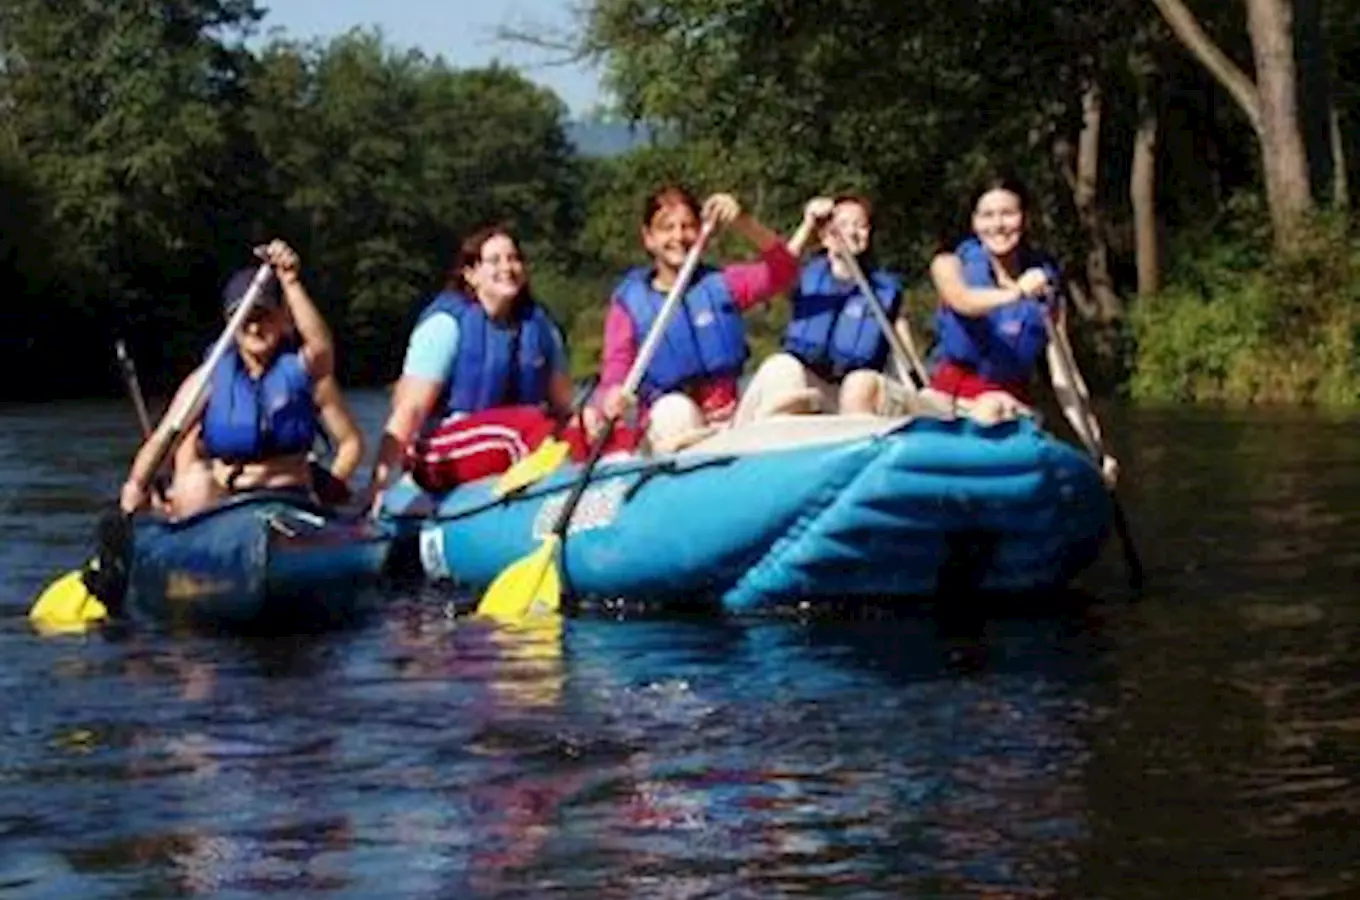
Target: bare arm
[561, 393]
[412, 400]
[340, 425]
[134, 495]
[946, 271]
[756, 231]
[318, 348]
[725, 211]
[816, 211]
[798, 242]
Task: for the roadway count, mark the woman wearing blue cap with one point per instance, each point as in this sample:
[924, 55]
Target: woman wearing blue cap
[264, 404]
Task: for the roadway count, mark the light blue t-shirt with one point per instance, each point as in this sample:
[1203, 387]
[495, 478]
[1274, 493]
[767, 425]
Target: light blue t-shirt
[434, 347]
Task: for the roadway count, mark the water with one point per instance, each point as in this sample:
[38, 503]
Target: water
[1201, 742]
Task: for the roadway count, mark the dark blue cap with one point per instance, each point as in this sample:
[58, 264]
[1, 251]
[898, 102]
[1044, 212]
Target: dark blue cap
[239, 283]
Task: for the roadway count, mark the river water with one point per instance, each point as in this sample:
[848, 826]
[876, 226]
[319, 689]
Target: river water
[1200, 741]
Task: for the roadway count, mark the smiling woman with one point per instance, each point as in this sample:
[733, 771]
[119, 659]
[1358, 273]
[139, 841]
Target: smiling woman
[485, 378]
[691, 382]
[1000, 310]
[266, 401]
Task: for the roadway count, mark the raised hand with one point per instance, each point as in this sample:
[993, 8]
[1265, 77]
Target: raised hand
[721, 209]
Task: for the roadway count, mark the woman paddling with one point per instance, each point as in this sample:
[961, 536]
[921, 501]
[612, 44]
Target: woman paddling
[834, 348]
[264, 406]
[485, 377]
[995, 292]
[692, 381]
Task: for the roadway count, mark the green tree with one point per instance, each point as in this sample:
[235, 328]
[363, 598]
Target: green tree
[122, 112]
[379, 161]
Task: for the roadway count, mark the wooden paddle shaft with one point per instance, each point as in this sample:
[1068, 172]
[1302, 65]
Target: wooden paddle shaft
[630, 384]
[1083, 424]
[668, 309]
[179, 416]
[900, 354]
[134, 388]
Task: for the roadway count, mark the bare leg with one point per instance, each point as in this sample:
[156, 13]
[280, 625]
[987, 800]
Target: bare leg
[781, 385]
[862, 393]
[674, 420]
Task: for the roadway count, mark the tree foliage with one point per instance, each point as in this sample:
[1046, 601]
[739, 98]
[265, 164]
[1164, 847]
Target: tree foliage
[144, 149]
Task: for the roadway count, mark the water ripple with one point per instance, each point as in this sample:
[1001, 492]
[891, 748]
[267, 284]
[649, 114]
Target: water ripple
[1201, 742]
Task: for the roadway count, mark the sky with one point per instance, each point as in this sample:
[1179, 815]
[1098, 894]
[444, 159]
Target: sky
[462, 31]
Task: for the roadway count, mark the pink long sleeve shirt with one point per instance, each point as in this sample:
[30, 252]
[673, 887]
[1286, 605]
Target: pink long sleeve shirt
[749, 282]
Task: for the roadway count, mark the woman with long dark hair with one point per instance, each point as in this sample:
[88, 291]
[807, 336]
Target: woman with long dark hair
[996, 292]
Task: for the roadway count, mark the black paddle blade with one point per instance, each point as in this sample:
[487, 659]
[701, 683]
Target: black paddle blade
[106, 575]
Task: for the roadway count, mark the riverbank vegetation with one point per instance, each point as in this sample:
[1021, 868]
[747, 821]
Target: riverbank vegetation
[1193, 177]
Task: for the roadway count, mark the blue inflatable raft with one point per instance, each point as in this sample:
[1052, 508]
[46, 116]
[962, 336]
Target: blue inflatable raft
[790, 509]
[263, 560]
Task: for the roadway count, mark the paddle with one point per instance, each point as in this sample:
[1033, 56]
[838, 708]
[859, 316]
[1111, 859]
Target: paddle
[545, 458]
[901, 355]
[134, 388]
[532, 584]
[161, 483]
[1132, 560]
[72, 602]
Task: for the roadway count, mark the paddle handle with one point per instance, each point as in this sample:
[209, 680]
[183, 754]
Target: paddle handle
[668, 310]
[901, 355]
[630, 384]
[133, 386]
[180, 415]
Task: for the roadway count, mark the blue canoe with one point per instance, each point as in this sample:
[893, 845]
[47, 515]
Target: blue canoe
[265, 559]
[790, 509]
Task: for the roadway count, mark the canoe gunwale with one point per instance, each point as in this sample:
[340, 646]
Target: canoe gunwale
[236, 501]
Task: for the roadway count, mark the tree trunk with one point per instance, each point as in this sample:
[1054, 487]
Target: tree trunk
[1282, 152]
[1224, 70]
[1143, 181]
[1341, 188]
[1270, 103]
[1086, 197]
[1315, 97]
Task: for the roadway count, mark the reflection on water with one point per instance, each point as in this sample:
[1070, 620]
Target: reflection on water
[1201, 742]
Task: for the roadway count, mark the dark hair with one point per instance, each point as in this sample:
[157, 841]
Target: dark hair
[1000, 182]
[668, 195]
[946, 239]
[469, 254]
[866, 259]
[859, 200]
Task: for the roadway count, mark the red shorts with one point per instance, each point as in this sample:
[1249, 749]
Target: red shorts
[489, 442]
[958, 381]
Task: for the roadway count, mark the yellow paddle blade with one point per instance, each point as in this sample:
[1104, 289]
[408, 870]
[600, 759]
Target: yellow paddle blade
[545, 459]
[530, 586]
[66, 606]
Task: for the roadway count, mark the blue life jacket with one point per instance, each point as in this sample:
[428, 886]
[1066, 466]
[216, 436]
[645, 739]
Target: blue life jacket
[705, 338]
[249, 419]
[1004, 345]
[833, 331]
[497, 364]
